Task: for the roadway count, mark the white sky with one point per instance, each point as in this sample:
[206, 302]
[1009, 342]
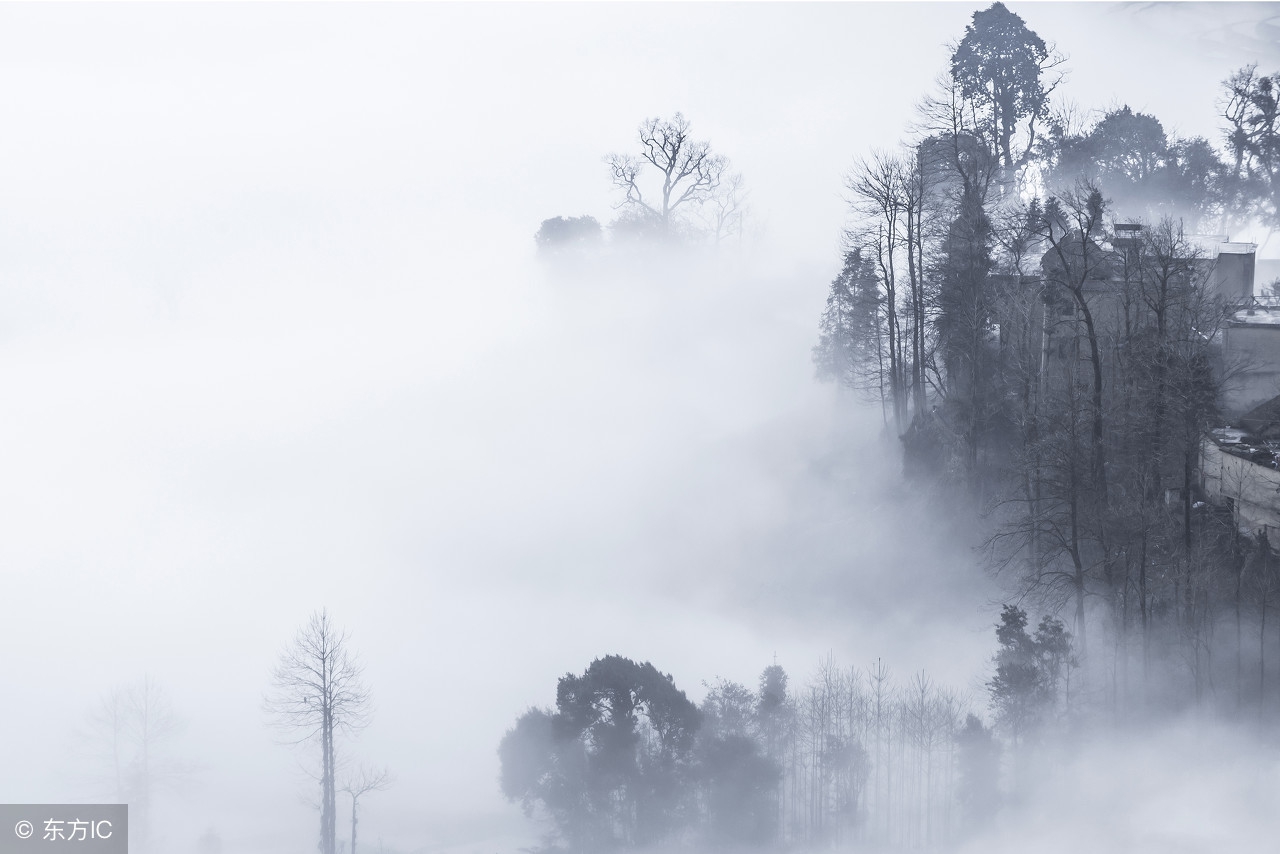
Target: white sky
[272, 338]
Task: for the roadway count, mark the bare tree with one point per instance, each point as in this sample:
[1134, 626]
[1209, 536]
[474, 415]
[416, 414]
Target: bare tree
[689, 172]
[132, 729]
[151, 722]
[359, 784]
[955, 145]
[318, 692]
[109, 737]
[1071, 227]
[726, 210]
[877, 184]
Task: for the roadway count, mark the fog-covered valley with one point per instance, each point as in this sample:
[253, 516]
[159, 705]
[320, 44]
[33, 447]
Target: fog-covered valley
[276, 338]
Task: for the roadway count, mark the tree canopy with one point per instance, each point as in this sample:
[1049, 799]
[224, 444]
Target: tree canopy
[609, 765]
[999, 65]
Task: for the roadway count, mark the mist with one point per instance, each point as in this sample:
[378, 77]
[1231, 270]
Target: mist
[275, 338]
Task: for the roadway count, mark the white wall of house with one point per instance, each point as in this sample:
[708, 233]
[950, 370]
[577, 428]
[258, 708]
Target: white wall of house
[1254, 489]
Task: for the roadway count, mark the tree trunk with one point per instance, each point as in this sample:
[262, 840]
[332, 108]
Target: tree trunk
[354, 807]
[328, 824]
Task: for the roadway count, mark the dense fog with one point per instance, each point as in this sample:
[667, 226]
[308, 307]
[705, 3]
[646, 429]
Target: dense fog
[275, 338]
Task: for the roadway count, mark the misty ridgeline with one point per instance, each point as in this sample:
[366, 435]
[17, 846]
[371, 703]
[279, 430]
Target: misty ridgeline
[1049, 314]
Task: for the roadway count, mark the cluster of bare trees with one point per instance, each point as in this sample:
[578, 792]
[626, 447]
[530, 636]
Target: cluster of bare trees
[863, 758]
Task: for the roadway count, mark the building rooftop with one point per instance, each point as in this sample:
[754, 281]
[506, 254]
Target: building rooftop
[1259, 315]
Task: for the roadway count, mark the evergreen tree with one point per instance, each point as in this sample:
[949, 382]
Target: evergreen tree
[1018, 690]
[614, 764]
[850, 349]
[965, 323]
[999, 66]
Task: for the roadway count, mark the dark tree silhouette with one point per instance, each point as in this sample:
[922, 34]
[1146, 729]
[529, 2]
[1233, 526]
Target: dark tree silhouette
[1145, 173]
[613, 765]
[564, 233]
[1029, 671]
[966, 319]
[851, 335]
[1018, 690]
[741, 791]
[1252, 111]
[1000, 66]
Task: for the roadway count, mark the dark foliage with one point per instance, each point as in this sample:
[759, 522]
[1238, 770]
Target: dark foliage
[567, 233]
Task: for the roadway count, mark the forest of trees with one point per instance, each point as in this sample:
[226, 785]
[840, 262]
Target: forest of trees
[1023, 296]
[853, 755]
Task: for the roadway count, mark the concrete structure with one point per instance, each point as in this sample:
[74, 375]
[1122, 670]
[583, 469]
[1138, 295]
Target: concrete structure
[1266, 273]
[1251, 355]
[1243, 474]
[1233, 271]
[1240, 466]
[1250, 341]
[1251, 336]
